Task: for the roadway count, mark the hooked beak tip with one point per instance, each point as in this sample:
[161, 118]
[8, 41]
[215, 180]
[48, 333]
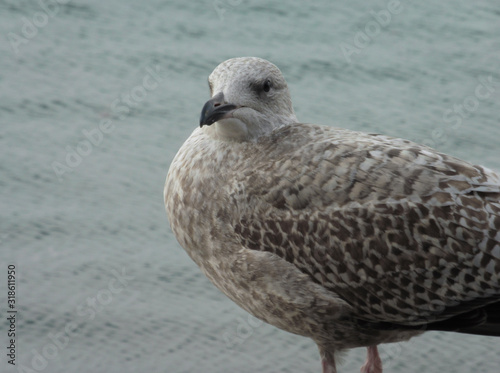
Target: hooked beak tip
[215, 109]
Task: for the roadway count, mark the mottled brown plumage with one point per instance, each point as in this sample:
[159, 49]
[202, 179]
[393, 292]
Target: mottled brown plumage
[348, 238]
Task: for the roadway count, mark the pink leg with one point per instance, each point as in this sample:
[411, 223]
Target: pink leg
[327, 361]
[373, 363]
[328, 366]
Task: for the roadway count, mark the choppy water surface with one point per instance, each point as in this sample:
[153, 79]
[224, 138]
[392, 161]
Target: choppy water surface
[96, 98]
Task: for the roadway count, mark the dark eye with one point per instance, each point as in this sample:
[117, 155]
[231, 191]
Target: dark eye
[267, 85]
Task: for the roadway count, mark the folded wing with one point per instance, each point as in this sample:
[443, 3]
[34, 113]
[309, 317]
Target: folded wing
[407, 236]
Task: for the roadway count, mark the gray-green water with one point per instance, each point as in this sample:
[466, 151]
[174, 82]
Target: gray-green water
[96, 98]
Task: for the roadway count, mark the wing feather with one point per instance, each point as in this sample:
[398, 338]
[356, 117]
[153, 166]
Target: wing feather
[402, 233]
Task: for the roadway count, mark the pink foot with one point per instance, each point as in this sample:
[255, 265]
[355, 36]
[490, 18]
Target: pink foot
[373, 363]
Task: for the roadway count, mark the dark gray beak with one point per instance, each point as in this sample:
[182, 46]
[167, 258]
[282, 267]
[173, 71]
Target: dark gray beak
[215, 109]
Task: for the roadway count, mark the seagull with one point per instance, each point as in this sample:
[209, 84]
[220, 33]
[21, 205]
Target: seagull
[348, 238]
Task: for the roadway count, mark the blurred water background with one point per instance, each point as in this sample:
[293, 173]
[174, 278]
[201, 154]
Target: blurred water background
[97, 96]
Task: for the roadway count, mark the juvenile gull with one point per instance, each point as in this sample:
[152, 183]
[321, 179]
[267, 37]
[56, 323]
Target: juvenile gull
[348, 238]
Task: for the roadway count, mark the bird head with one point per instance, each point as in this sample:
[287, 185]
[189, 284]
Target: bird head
[249, 98]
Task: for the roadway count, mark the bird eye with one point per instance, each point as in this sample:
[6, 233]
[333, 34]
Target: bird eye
[267, 85]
